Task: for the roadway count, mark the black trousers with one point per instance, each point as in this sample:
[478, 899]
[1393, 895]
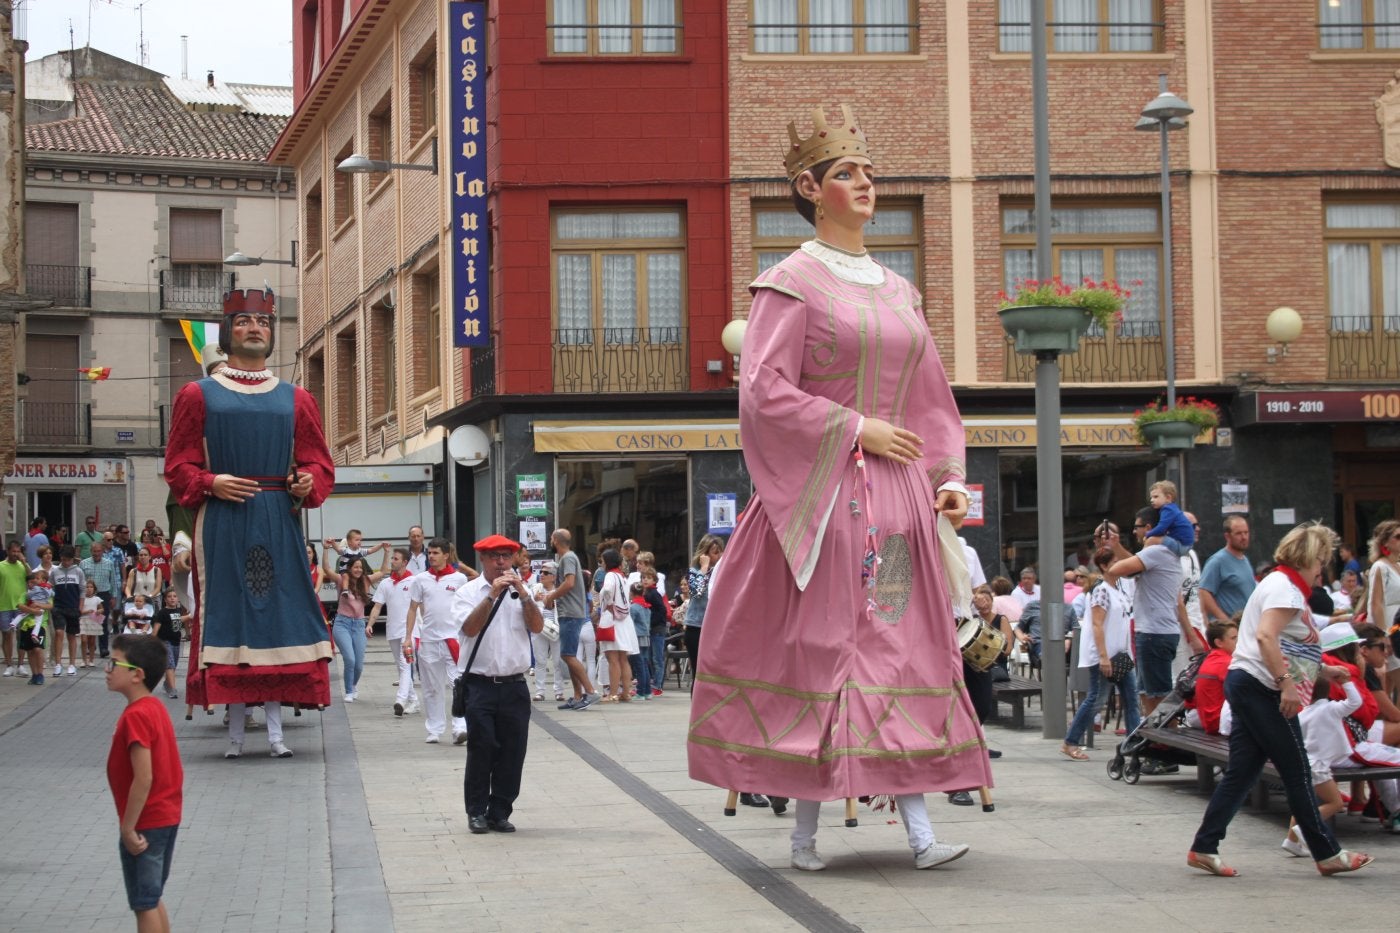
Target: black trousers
[979, 689]
[498, 727]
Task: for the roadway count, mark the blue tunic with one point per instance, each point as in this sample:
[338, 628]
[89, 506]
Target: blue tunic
[259, 606]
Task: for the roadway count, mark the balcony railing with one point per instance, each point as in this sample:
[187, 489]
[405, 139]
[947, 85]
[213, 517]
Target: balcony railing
[68, 286]
[1129, 351]
[194, 288]
[1363, 348]
[621, 359]
[43, 423]
[483, 371]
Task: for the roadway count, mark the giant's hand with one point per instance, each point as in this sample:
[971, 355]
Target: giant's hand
[901, 445]
[300, 484]
[232, 488]
[953, 504]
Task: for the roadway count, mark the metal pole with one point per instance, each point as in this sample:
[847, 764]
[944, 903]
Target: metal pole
[1050, 544]
[1169, 313]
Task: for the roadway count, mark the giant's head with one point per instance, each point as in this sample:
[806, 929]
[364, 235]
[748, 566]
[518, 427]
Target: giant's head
[252, 312]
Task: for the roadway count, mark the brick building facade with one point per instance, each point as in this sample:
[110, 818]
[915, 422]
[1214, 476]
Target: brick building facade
[636, 189]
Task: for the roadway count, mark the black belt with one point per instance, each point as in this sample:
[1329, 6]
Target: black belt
[492, 679]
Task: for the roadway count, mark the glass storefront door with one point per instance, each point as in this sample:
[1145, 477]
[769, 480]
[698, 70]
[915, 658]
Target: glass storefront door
[612, 500]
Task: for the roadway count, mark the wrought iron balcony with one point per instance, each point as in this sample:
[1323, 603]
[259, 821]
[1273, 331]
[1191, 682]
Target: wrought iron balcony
[1363, 348]
[49, 423]
[68, 286]
[483, 371]
[621, 359]
[1129, 351]
[194, 287]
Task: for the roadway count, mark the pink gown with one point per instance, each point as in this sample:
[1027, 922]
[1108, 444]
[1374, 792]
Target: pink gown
[804, 689]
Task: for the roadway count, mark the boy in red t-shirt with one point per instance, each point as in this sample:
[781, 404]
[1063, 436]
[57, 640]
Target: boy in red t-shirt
[147, 780]
[1203, 712]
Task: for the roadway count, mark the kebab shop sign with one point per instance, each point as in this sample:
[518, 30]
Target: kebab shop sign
[67, 471]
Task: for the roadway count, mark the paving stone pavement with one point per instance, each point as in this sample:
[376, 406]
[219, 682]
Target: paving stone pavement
[364, 830]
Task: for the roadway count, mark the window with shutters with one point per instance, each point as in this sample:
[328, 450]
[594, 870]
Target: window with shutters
[347, 387]
[196, 279]
[615, 27]
[311, 216]
[422, 92]
[52, 267]
[381, 136]
[342, 191]
[50, 412]
[383, 360]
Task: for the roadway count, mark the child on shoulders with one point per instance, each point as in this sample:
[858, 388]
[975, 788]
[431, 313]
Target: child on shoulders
[1173, 529]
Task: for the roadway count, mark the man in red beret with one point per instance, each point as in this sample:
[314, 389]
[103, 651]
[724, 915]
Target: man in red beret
[498, 617]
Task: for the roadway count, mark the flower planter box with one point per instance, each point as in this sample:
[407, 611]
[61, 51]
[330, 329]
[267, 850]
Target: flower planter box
[1170, 435]
[1038, 328]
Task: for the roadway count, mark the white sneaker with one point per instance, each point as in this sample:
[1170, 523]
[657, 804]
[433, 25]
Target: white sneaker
[9, 670]
[349, 698]
[1294, 846]
[72, 671]
[58, 670]
[412, 707]
[938, 854]
[280, 751]
[24, 670]
[235, 750]
[432, 740]
[807, 859]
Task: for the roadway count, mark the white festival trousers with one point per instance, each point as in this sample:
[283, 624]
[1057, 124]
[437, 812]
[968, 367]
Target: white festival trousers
[912, 809]
[405, 694]
[549, 665]
[437, 671]
[237, 721]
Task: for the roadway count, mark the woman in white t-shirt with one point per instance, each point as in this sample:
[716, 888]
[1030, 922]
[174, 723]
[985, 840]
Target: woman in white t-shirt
[612, 612]
[1106, 633]
[1264, 702]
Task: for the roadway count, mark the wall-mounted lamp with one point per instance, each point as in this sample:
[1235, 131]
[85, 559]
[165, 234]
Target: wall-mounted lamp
[1284, 325]
[356, 164]
[238, 258]
[732, 337]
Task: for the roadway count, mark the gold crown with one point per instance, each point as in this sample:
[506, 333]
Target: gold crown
[826, 142]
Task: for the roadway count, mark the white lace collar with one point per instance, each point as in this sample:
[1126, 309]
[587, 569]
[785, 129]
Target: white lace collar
[858, 268]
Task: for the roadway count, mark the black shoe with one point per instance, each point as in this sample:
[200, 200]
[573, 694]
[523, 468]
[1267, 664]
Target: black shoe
[779, 805]
[993, 753]
[753, 800]
[960, 799]
[501, 826]
[478, 825]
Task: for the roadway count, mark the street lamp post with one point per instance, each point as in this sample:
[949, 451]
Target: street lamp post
[1163, 113]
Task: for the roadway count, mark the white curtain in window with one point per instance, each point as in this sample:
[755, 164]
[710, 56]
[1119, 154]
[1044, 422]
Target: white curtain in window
[769, 259]
[574, 284]
[615, 13]
[570, 13]
[1363, 216]
[1065, 220]
[892, 221]
[1131, 30]
[628, 225]
[1340, 24]
[1018, 265]
[1390, 286]
[1349, 286]
[658, 26]
[664, 297]
[1076, 26]
[831, 29]
[619, 298]
[1015, 28]
[782, 222]
[1387, 30]
[899, 260]
[1078, 264]
[775, 26]
[1138, 270]
[887, 26]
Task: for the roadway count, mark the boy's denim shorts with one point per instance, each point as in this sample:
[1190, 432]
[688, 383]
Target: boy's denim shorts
[145, 874]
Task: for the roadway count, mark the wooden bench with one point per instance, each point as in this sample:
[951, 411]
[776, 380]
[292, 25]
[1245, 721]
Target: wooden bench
[1015, 691]
[1211, 750]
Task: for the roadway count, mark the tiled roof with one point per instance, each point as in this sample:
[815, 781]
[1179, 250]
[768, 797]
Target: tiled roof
[124, 119]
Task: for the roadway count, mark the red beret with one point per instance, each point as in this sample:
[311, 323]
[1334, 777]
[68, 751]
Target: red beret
[496, 543]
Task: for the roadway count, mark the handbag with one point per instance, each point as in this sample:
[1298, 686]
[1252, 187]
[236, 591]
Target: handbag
[459, 686]
[551, 629]
[1122, 666]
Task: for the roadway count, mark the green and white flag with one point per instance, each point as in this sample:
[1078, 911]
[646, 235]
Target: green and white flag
[199, 334]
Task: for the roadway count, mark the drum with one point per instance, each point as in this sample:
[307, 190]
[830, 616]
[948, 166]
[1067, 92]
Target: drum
[980, 643]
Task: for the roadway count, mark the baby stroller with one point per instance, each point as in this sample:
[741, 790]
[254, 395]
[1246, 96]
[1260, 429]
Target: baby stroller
[1135, 749]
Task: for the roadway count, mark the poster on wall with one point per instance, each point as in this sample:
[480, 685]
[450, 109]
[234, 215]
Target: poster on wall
[530, 497]
[1234, 498]
[533, 535]
[975, 515]
[724, 506]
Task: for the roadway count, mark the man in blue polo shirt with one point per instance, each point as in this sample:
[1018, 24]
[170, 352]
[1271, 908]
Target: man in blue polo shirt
[1227, 580]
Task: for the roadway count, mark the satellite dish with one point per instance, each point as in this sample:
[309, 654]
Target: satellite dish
[468, 445]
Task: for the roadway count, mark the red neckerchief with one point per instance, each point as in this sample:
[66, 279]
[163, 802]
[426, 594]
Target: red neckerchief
[396, 577]
[439, 574]
[1296, 579]
[641, 601]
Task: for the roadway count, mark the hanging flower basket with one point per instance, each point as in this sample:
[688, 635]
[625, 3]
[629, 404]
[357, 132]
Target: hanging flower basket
[1051, 315]
[1175, 428]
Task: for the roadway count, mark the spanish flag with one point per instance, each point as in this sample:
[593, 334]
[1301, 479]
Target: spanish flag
[97, 373]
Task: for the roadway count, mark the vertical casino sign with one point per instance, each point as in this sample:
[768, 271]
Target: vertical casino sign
[471, 231]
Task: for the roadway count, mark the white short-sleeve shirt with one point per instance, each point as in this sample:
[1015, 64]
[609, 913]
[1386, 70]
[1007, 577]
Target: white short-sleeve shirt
[505, 646]
[1275, 591]
[394, 595]
[434, 594]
